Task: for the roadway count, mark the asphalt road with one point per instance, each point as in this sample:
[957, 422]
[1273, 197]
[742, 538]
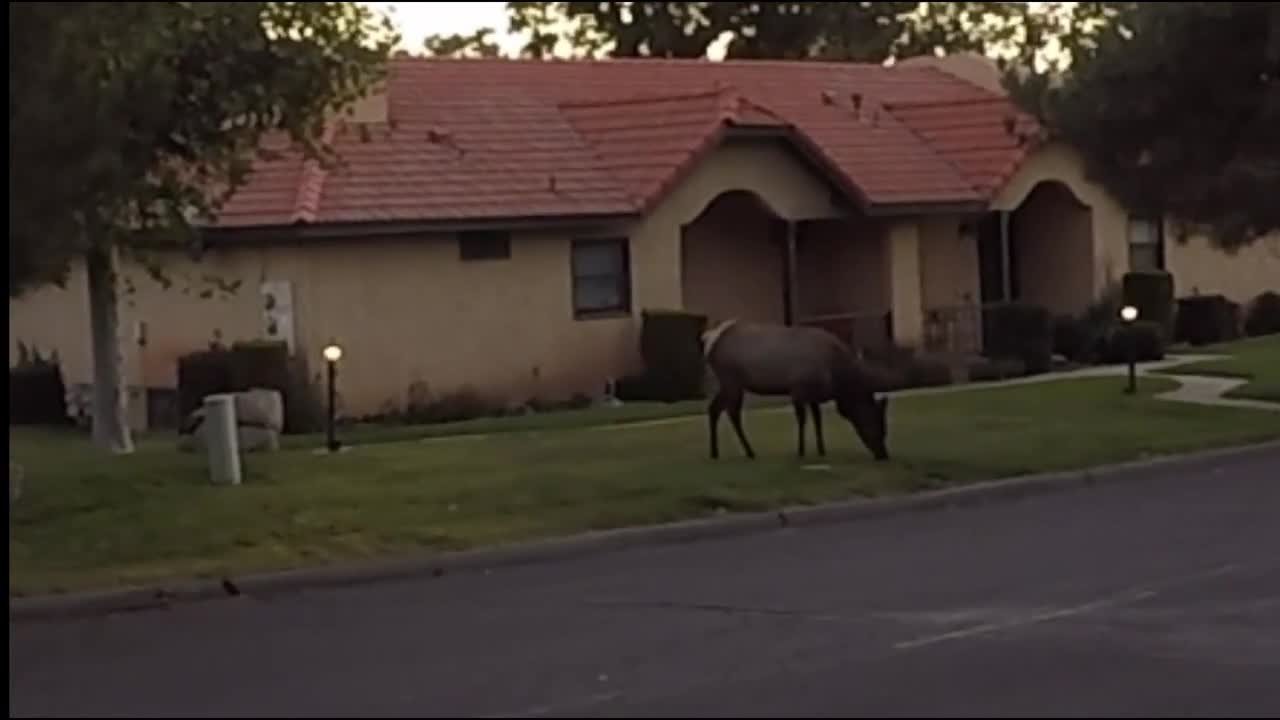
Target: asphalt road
[1156, 597]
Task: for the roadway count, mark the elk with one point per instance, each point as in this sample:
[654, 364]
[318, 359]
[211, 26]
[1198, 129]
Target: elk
[808, 364]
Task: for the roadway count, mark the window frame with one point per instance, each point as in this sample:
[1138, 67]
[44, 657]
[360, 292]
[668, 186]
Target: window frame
[623, 277]
[1158, 244]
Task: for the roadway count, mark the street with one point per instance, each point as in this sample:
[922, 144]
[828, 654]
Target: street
[1159, 596]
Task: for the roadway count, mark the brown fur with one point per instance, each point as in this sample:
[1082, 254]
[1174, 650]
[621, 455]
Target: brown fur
[809, 365]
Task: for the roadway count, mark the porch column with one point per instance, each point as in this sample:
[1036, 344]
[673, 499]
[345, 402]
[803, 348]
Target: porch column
[905, 292]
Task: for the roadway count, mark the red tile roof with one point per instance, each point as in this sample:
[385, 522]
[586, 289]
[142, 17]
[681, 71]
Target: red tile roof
[490, 139]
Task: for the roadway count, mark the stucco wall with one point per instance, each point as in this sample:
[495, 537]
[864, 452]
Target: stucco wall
[405, 310]
[840, 268]
[733, 262]
[1052, 249]
[409, 310]
[948, 264]
[1108, 220]
[1198, 266]
[765, 168]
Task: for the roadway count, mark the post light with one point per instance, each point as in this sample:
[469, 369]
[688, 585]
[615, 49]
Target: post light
[1129, 314]
[332, 354]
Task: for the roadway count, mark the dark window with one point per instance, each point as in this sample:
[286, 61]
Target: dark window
[601, 277]
[1146, 244]
[484, 245]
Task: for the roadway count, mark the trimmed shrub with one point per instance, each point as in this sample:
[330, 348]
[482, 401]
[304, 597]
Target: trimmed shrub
[992, 369]
[927, 372]
[1264, 315]
[201, 374]
[637, 388]
[260, 364]
[1207, 319]
[1023, 331]
[254, 364]
[37, 393]
[1146, 337]
[671, 345]
[1071, 338]
[1152, 293]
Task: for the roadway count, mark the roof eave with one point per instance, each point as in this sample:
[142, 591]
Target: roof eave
[257, 234]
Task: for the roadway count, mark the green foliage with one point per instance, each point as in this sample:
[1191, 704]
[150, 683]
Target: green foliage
[456, 45]
[671, 346]
[993, 369]
[1071, 337]
[1174, 107]
[248, 365]
[37, 392]
[131, 122]
[1151, 292]
[1144, 338]
[1264, 315]
[1205, 319]
[862, 32]
[1020, 330]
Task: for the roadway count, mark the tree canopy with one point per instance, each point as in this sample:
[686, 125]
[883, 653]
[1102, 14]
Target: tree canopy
[1176, 110]
[130, 121]
[856, 31]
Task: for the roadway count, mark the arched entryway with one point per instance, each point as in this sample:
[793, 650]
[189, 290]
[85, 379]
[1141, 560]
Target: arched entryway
[1051, 248]
[734, 260]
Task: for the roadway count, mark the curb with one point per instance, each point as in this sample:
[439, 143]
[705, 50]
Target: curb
[597, 542]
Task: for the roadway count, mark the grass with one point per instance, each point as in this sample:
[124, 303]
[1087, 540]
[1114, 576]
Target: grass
[89, 521]
[1256, 359]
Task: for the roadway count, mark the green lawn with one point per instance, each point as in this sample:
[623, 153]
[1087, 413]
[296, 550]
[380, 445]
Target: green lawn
[1257, 359]
[89, 520]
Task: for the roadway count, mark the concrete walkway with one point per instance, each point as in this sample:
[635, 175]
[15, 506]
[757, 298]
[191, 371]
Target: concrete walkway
[1198, 389]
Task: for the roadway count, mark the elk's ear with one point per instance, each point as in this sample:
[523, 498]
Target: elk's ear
[883, 404]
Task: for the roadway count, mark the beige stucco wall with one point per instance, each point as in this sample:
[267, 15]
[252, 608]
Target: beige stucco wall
[405, 311]
[733, 262]
[1051, 232]
[840, 268]
[1199, 267]
[1108, 220]
[409, 310]
[948, 264]
[766, 168]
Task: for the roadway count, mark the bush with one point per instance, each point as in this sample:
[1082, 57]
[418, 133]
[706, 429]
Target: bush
[201, 374]
[671, 345]
[1152, 293]
[1264, 315]
[928, 372]
[993, 369]
[247, 365]
[1071, 338]
[637, 388]
[1145, 336]
[1207, 319]
[37, 393]
[1023, 331]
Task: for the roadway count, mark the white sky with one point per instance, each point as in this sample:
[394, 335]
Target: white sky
[417, 20]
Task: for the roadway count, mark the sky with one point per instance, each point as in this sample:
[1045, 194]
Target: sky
[417, 20]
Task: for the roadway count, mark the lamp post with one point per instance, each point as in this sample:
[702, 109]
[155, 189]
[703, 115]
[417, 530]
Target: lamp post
[332, 354]
[1129, 314]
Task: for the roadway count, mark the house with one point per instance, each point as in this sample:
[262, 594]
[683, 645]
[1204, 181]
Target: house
[501, 224]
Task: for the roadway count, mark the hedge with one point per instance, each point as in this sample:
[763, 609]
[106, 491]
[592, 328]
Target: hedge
[1023, 331]
[1207, 319]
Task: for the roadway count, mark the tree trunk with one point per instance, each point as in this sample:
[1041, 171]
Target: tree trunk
[110, 409]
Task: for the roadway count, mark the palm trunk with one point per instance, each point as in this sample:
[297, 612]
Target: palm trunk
[110, 410]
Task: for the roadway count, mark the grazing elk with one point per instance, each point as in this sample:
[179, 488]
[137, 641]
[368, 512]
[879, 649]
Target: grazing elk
[808, 364]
